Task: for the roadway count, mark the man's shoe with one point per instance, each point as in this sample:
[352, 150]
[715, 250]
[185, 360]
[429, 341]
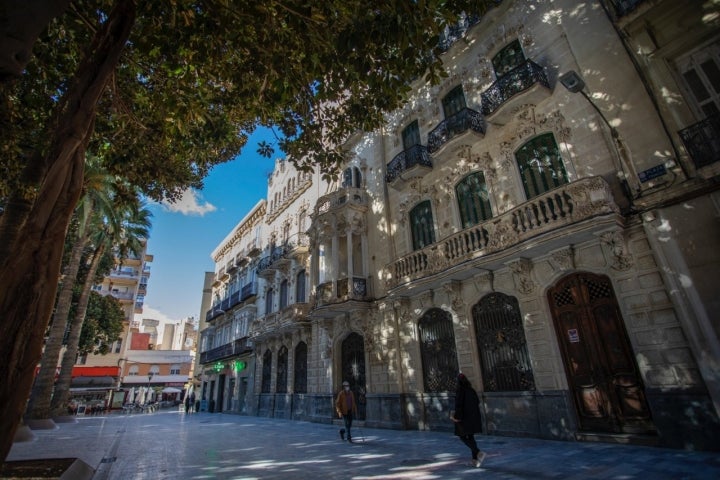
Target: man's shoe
[350, 440]
[481, 456]
[342, 434]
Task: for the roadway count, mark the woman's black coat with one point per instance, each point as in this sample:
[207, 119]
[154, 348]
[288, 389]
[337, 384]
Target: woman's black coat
[467, 410]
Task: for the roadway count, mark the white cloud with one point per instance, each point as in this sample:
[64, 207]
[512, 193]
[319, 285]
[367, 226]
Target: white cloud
[191, 203]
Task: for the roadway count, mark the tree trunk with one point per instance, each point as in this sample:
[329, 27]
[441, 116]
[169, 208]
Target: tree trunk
[21, 22]
[32, 229]
[62, 386]
[39, 406]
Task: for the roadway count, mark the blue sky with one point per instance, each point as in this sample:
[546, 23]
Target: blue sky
[184, 235]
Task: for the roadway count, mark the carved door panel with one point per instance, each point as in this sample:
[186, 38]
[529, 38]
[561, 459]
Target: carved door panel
[599, 361]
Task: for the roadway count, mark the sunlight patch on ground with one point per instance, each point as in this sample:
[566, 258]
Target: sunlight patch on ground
[268, 464]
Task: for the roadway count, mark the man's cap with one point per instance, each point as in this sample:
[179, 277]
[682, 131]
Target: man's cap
[346, 383]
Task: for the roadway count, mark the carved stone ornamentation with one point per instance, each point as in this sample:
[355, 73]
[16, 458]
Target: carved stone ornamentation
[501, 235]
[563, 260]
[454, 294]
[522, 270]
[616, 246]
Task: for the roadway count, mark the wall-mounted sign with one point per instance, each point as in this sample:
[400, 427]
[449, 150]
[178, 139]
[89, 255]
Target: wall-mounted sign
[654, 172]
[573, 335]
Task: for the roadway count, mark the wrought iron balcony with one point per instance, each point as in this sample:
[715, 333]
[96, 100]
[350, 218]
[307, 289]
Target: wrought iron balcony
[559, 208]
[623, 7]
[248, 291]
[415, 156]
[214, 312]
[702, 141]
[463, 121]
[270, 262]
[517, 80]
[234, 299]
[236, 347]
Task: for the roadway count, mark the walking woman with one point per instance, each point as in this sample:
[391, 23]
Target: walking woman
[467, 418]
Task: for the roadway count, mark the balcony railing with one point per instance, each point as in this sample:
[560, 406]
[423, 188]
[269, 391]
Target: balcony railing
[234, 299]
[357, 290]
[702, 141]
[340, 198]
[249, 290]
[214, 312]
[268, 262]
[466, 119]
[562, 206]
[236, 347]
[515, 81]
[417, 155]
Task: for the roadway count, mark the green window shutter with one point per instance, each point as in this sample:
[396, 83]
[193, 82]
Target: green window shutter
[421, 223]
[541, 167]
[473, 200]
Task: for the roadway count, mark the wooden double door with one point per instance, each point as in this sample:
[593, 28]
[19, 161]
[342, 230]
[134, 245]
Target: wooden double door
[601, 368]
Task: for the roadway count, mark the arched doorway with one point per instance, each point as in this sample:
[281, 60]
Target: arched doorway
[602, 373]
[353, 369]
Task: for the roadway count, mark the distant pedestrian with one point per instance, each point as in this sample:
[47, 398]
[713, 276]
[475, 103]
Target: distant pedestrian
[346, 408]
[187, 404]
[192, 402]
[466, 417]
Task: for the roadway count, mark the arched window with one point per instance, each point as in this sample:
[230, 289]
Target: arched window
[437, 351]
[269, 301]
[300, 295]
[133, 370]
[411, 135]
[508, 58]
[283, 294]
[302, 220]
[155, 369]
[174, 369]
[351, 178]
[541, 167]
[266, 371]
[453, 102]
[473, 200]
[501, 344]
[300, 378]
[282, 371]
[421, 224]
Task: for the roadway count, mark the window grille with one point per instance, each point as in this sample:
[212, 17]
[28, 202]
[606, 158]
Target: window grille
[282, 370]
[300, 380]
[266, 372]
[501, 344]
[437, 351]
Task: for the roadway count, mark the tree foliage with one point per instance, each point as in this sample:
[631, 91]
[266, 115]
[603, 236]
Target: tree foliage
[162, 91]
[103, 325]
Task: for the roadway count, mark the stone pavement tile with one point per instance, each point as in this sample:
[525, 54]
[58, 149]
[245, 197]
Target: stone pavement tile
[172, 445]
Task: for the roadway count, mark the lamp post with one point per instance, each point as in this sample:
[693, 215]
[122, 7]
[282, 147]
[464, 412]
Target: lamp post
[574, 83]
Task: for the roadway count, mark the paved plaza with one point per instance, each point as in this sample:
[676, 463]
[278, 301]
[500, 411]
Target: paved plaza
[173, 445]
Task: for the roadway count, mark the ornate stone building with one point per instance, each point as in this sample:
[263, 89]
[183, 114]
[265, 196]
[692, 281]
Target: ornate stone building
[544, 220]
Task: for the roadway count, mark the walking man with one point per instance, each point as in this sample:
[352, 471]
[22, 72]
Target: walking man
[346, 407]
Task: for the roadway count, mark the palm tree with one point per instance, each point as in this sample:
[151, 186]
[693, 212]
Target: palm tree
[98, 189]
[126, 236]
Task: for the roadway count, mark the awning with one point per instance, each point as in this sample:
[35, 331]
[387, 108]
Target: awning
[95, 371]
[171, 390]
[93, 382]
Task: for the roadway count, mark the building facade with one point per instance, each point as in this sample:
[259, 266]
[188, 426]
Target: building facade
[543, 220]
